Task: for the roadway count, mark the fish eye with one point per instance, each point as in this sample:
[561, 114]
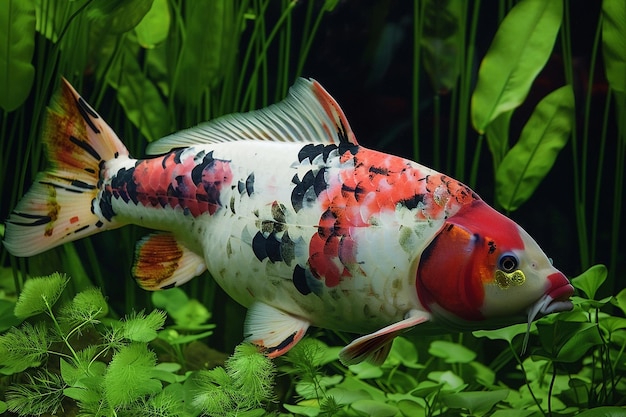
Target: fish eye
[508, 262]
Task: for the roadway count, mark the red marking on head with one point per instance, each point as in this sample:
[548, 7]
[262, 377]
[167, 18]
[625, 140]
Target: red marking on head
[74, 219]
[462, 258]
[560, 288]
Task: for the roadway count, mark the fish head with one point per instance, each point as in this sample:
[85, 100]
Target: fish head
[481, 266]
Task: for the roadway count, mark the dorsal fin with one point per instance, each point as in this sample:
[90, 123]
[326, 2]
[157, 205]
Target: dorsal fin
[308, 114]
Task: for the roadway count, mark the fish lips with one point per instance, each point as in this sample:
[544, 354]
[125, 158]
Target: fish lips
[556, 298]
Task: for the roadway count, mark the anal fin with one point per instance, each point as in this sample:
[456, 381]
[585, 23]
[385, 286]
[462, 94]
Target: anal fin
[273, 330]
[162, 262]
[375, 347]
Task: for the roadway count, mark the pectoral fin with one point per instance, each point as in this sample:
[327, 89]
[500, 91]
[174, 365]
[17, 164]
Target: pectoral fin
[162, 262]
[376, 346]
[273, 330]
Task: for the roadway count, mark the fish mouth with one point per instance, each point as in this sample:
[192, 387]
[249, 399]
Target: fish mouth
[555, 300]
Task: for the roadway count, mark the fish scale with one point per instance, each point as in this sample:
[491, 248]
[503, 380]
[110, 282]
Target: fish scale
[294, 220]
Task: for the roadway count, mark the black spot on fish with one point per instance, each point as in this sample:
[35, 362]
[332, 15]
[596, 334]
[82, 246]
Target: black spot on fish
[85, 111]
[177, 154]
[196, 173]
[379, 170]
[492, 246]
[283, 344]
[258, 246]
[250, 184]
[82, 184]
[106, 208]
[168, 286]
[37, 220]
[86, 147]
[413, 202]
[309, 152]
[300, 281]
[320, 183]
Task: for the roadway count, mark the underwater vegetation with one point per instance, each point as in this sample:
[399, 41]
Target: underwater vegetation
[524, 101]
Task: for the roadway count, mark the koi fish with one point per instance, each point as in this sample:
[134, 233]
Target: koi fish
[294, 220]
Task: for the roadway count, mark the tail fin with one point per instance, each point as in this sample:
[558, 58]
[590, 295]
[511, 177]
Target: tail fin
[61, 206]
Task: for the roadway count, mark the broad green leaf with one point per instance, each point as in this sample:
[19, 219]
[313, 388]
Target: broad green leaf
[513, 413]
[477, 402]
[506, 333]
[590, 280]
[614, 42]
[302, 410]
[120, 15]
[441, 41]
[497, 134]
[154, 27]
[140, 98]
[450, 382]
[208, 49]
[3, 407]
[620, 300]
[451, 352]
[520, 49]
[373, 408]
[17, 45]
[542, 138]
[568, 341]
[608, 411]
[366, 370]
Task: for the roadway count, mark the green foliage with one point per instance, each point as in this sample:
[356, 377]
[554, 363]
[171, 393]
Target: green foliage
[524, 167]
[39, 295]
[17, 46]
[240, 388]
[519, 50]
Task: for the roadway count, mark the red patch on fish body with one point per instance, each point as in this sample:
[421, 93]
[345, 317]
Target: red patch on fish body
[366, 185]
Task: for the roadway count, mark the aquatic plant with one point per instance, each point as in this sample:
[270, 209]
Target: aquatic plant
[130, 59]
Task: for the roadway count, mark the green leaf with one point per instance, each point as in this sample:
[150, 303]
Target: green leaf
[497, 134]
[17, 45]
[506, 333]
[441, 42]
[451, 352]
[366, 370]
[454, 382]
[140, 98]
[529, 161]
[3, 407]
[7, 317]
[208, 50]
[520, 49]
[23, 348]
[590, 280]
[154, 27]
[603, 412]
[620, 300]
[374, 408]
[129, 375]
[39, 294]
[614, 42]
[87, 307]
[566, 341]
[141, 328]
[477, 402]
[119, 15]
